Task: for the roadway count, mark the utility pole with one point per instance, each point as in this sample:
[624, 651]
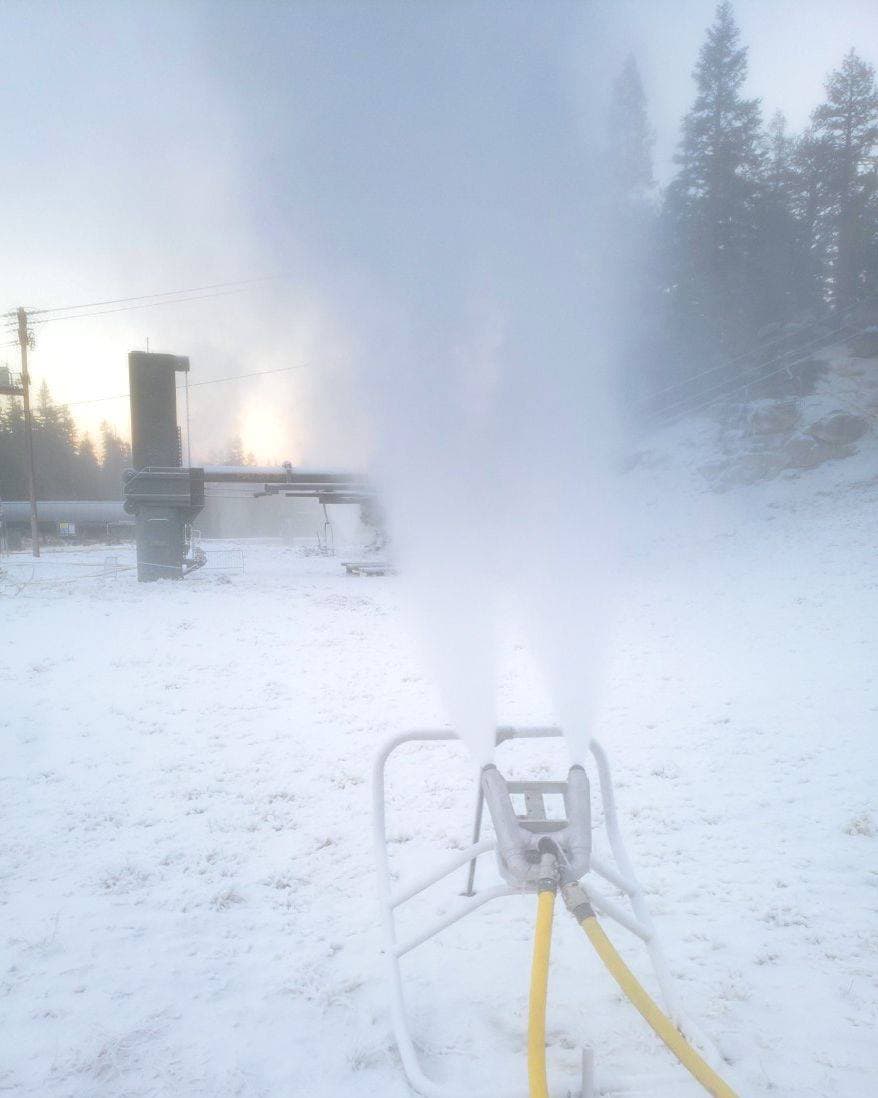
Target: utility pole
[28, 433]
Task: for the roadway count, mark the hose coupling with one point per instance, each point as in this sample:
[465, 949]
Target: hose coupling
[577, 901]
[548, 879]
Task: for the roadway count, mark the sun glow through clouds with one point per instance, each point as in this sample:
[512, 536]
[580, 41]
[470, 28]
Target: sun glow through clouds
[264, 435]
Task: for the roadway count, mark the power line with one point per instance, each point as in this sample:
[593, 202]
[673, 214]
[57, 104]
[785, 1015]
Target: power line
[753, 353]
[825, 340]
[683, 411]
[239, 282]
[148, 304]
[193, 384]
[722, 396]
[255, 373]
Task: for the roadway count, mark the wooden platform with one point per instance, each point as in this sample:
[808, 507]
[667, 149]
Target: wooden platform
[367, 567]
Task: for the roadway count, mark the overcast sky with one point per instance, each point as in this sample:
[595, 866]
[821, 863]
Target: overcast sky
[355, 148]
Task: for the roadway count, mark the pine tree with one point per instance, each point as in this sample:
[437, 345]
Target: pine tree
[869, 254]
[846, 124]
[630, 138]
[781, 278]
[54, 448]
[115, 459]
[781, 146]
[631, 221]
[711, 205]
[234, 453]
[807, 198]
[66, 466]
[13, 475]
[87, 470]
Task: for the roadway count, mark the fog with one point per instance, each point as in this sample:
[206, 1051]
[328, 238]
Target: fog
[428, 181]
[167, 145]
[469, 222]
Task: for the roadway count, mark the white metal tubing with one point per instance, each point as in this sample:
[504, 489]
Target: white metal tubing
[625, 880]
[398, 1015]
[449, 866]
[605, 870]
[470, 889]
[527, 732]
[638, 901]
[587, 1090]
[462, 910]
[404, 1043]
[611, 908]
[608, 797]
[641, 909]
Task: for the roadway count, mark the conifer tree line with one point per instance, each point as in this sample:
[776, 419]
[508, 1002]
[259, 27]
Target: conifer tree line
[68, 465]
[758, 229]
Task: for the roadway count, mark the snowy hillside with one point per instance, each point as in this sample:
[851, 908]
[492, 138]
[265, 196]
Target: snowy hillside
[822, 409]
[188, 892]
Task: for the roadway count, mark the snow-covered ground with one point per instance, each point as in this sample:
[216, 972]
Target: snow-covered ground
[187, 895]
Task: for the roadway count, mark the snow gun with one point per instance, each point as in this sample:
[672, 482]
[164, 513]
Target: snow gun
[539, 854]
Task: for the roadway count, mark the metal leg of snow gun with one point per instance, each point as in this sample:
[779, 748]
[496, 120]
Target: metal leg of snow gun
[534, 854]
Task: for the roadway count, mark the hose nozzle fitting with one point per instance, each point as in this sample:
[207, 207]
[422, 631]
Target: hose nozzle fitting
[548, 879]
[576, 901]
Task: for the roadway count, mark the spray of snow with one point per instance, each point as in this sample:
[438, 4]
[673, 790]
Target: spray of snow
[489, 379]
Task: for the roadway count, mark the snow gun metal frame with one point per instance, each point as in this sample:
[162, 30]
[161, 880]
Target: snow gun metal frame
[523, 840]
[537, 853]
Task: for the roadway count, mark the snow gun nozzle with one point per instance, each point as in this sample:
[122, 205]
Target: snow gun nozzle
[543, 828]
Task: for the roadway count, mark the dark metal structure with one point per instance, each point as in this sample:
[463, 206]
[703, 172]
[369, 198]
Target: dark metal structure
[163, 496]
[324, 485]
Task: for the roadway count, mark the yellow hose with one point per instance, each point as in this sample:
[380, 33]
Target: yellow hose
[650, 1010]
[539, 989]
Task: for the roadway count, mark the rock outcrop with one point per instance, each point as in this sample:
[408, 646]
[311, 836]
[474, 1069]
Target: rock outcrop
[839, 428]
[773, 437]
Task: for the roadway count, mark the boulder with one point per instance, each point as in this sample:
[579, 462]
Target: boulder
[839, 428]
[807, 452]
